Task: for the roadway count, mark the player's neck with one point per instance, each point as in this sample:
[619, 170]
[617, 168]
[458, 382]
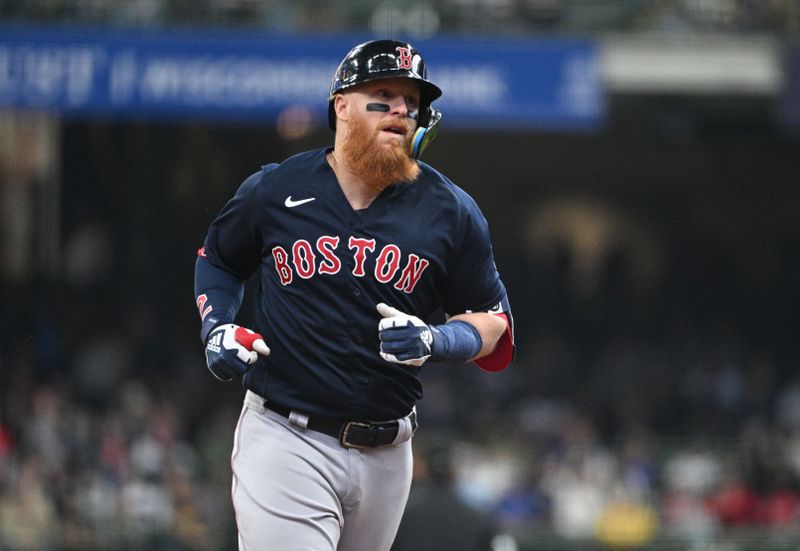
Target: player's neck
[359, 193]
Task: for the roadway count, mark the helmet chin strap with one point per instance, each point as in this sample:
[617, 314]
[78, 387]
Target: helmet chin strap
[424, 135]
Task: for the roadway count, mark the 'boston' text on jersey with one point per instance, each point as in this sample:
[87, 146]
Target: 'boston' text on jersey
[303, 261]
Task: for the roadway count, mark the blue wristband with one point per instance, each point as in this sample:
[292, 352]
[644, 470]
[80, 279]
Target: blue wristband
[457, 341]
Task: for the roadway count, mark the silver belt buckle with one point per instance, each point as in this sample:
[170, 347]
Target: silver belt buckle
[346, 432]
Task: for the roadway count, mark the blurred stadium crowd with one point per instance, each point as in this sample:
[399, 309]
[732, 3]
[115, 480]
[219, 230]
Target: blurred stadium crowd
[114, 436]
[425, 17]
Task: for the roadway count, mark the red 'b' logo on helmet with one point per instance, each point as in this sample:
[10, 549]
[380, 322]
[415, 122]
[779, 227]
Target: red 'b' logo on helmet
[404, 59]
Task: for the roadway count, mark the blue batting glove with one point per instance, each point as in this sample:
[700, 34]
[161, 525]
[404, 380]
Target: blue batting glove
[404, 339]
[231, 350]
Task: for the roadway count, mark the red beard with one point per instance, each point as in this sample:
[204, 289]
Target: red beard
[378, 166]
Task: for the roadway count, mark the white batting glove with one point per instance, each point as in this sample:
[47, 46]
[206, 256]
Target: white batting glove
[405, 339]
[231, 350]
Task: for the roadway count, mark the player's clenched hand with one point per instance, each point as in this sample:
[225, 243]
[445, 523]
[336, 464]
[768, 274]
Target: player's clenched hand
[231, 350]
[404, 339]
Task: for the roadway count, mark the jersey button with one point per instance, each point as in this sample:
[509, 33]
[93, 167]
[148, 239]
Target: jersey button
[358, 337]
[357, 292]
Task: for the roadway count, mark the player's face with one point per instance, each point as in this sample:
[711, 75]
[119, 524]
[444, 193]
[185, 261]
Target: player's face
[377, 142]
[396, 125]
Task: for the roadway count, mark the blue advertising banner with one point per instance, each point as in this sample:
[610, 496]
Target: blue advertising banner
[254, 77]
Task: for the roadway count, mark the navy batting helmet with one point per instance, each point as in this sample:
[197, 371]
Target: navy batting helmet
[379, 59]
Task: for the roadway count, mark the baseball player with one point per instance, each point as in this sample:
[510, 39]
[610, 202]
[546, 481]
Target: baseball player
[354, 248]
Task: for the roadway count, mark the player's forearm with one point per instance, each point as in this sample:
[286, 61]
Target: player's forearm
[218, 294]
[489, 326]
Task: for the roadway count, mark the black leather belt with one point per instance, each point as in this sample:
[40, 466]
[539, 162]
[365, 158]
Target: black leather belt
[351, 434]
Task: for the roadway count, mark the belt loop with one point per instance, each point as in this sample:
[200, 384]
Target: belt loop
[298, 419]
[406, 427]
[254, 401]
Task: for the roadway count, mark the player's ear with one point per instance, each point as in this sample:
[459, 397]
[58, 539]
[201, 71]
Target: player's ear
[340, 106]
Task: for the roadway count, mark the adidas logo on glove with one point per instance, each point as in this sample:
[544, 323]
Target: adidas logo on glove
[231, 350]
[214, 343]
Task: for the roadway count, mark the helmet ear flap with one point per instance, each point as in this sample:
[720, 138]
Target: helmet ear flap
[331, 116]
[426, 131]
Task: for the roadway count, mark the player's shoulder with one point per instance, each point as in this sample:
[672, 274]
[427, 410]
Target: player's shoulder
[442, 186]
[277, 173]
[305, 160]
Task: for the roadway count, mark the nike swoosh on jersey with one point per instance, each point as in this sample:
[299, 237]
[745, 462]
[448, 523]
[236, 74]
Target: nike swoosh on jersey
[292, 203]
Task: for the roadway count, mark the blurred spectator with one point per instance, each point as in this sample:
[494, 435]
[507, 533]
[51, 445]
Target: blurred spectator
[88, 255]
[787, 407]
[45, 438]
[686, 516]
[97, 511]
[638, 468]
[734, 504]
[147, 511]
[436, 519]
[626, 524]
[577, 477]
[102, 362]
[525, 504]
[28, 520]
[695, 469]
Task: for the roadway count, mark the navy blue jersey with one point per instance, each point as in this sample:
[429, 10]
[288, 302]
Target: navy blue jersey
[322, 268]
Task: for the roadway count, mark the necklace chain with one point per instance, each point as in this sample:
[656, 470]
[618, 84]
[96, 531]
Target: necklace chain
[346, 168]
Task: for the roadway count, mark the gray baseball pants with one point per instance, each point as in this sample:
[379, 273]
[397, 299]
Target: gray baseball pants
[300, 490]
